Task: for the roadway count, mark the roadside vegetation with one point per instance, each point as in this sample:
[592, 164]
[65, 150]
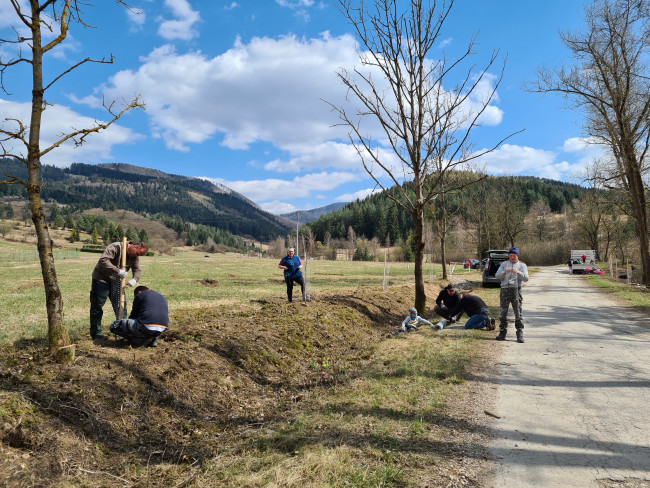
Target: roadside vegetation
[637, 296]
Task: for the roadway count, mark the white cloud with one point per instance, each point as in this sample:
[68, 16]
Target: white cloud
[295, 3]
[183, 26]
[512, 159]
[278, 208]
[59, 119]
[361, 194]
[267, 90]
[231, 6]
[445, 42]
[136, 18]
[328, 154]
[298, 187]
[8, 15]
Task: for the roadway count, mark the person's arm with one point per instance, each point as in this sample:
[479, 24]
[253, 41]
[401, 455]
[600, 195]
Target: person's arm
[105, 265]
[135, 269]
[299, 263]
[524, 272]
[501, 272]
[457, 310]
[135, 310]
[283, 264]
[439, 299]
[424, 321]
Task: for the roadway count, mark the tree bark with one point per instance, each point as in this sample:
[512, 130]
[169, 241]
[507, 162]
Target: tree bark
[58, 338]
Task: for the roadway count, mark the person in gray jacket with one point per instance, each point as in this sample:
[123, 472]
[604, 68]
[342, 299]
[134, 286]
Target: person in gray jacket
[512, 274]
[106, 281]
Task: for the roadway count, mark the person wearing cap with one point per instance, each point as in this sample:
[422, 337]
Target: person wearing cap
[512, 274]
[148, 319]
[477, 311]
[447, 299]
[411, 322]
[292, 266]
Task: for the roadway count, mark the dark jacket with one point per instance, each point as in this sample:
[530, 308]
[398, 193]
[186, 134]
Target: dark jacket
[109, 263]
[150, 308]
[450, 301]
[292, 264]
[471, 305]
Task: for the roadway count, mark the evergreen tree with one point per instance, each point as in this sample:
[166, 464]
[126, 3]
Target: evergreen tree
[131, 234]
[120, 232]
[143, 237]
[94, 235]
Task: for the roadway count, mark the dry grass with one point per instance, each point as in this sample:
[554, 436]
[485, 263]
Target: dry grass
[245, 389]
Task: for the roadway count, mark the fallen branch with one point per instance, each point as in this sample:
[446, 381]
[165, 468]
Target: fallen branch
[487, 412]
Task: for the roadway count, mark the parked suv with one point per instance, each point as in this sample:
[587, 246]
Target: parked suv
[493, 260]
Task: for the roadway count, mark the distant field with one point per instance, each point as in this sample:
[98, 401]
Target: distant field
[189, 280]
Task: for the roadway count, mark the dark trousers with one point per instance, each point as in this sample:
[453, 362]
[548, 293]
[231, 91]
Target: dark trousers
[510, 296]
[99, 292]
[443, 312]
[134, 332]
[289, 281]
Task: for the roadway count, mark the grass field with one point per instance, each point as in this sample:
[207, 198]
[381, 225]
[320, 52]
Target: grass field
[245, 389]
[188, 279]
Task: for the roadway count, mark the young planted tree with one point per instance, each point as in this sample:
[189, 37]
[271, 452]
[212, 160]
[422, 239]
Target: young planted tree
[609, 84]
[420, 101]
[21, 140]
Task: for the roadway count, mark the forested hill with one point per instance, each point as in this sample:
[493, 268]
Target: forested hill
[306, 216]
[378, 216]
[144, 190]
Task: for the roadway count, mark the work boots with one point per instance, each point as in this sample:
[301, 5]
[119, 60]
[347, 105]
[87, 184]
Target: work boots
[502, 335]
[520, 335]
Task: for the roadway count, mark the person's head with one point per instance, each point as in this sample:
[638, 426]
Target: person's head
[290, 252]
[451, 289]
[139, 289]
[135, 249]
[413, 312]
[513, 254]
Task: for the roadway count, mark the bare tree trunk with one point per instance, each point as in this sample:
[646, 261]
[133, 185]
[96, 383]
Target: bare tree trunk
[420, 294]
[443, 257]
[640, 213]
[58, 337]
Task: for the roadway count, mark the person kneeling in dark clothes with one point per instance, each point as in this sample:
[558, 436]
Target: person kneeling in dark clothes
[148, 319]
[476, 309]
[447, 300]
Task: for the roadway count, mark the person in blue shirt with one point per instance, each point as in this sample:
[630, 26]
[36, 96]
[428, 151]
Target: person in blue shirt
[292, 266]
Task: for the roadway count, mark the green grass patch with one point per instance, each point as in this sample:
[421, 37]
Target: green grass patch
[638, 297]
[383, 428]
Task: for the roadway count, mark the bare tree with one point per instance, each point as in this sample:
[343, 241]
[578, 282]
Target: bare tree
[421, 102]
[444, 212]
[53, 16]
[609, 83]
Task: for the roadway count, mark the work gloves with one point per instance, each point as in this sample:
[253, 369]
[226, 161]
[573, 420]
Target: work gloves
[131, 282]
[122, 273]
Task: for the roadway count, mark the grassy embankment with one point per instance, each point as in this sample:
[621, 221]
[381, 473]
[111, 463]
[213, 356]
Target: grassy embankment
[638, 297]
[245, 390]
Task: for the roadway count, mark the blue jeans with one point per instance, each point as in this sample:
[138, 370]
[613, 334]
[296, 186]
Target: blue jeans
[476, 322]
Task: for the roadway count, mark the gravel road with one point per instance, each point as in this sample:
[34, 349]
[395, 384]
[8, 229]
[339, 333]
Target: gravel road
[574, 400]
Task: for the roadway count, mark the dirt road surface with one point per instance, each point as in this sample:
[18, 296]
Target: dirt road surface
[574, 400]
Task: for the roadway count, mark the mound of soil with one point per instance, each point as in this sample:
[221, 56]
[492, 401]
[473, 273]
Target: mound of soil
[216, 371]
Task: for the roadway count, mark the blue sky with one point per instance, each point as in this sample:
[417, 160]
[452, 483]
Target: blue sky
[234, 91]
